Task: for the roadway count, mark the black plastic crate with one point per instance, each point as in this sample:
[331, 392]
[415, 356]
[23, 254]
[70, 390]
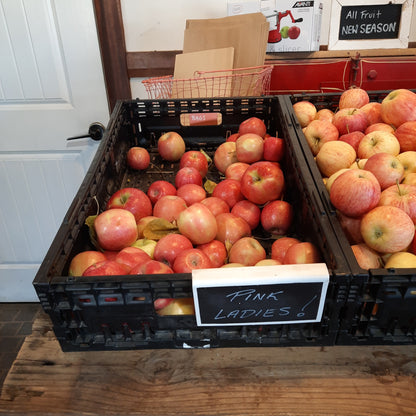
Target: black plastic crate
[116, 312]
[381, 303]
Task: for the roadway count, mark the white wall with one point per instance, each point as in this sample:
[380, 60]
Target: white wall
[149, 29]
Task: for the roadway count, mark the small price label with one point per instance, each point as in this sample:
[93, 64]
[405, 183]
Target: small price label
[283, 294]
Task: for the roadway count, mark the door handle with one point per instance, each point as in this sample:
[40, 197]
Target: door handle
[95, 132]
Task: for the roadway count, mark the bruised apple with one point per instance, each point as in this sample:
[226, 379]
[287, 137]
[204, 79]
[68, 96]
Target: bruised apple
[225, 155]
[247, 251]
[191, 259]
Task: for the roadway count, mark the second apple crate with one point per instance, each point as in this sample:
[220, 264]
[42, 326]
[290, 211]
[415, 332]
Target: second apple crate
[117, 312]
[381, 303]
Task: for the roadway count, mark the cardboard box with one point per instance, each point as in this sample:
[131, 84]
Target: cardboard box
[295, 26]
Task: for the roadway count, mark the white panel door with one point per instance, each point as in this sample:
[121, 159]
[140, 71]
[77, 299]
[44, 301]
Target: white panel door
[51, 88]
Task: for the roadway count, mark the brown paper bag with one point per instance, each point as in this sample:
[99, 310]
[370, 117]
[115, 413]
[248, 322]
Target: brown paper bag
[189, 84]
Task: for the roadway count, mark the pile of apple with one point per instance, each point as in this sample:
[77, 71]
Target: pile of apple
[196, 223]
[366, 153]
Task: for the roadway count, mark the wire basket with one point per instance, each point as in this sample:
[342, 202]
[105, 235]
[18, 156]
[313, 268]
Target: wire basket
[250, 81]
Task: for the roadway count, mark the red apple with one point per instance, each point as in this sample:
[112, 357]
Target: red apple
[402, 196]
[248, 211]
[387, 229]
[366, 257]
[252, 125]
[169, 207]
[373, 112]
[262, 182]
[398, 107]
[225, 155]
[197, 223]
[280, 246]
[355, 192]
[325, 114]
[249, 148]
[229, 190]
[352, 138]
[406, 135]
[377, 142]
[231, 228]
[130, 256]
[353, 98]
[216, 205]
[138, 158]
[187, 175]
[302, 253]
[351, 227]
[348, 120]
[216, 252]
[386, 168]
[83, 260]
[158, 189]
[133, 200]
[379, 126]
[333, 156]
[191, 193]
[106, 268]
[319, 132]
[232, 137]
[247, 251]
[276, 217]
[171, 146]
[151, 267]
[195, 159]
[116, 229]
[191, 259]
[169, 246]
[273, 149]
[305, 112]
[236, 170]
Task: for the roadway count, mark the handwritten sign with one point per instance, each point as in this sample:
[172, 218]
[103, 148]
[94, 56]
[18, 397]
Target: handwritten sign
[260, 295]
[370, 22]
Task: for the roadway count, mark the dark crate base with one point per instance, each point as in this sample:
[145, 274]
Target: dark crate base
[116, 312]
[381, 304]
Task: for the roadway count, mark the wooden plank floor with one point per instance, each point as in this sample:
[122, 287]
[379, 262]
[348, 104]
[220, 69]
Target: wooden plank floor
[375, 380]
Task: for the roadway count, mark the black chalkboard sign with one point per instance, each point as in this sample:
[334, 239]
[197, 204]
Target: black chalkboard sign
[370, 22]
[260, 295]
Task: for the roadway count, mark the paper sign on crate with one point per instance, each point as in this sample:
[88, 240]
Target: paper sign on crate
[284, 294]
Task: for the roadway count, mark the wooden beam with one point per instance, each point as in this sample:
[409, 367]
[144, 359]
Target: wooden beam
[113, 49]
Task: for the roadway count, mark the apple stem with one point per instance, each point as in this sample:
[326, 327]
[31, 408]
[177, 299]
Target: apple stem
[98, 204]
[398, 187]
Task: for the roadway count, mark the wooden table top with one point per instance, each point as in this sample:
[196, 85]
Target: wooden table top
[365, 380]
